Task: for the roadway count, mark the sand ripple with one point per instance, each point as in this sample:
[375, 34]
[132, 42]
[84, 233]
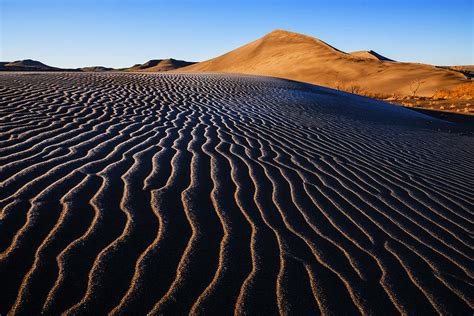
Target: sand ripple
[219, 194]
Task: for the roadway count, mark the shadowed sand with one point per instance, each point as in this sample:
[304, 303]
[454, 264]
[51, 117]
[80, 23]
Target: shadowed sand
[219, 194]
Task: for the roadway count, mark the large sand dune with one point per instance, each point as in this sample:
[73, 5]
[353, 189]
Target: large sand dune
[219, 194]
[303, 58]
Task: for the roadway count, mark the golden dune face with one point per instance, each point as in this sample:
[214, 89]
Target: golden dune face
[303, 58]
[222, 194]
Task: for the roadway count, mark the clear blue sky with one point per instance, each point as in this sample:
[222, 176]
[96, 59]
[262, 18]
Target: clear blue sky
[119, 33]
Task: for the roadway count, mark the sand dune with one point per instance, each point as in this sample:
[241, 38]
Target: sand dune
[26, 65]
[159, 65]
[96, 69]
[303, 58]
[467, 70]
[154, 65]
[171, 194]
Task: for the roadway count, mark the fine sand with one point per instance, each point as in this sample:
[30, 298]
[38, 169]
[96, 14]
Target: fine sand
[214, 194]
[299, 57]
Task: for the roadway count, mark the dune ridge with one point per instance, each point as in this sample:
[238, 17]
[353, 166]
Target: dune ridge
[370, 54]
[196, 193]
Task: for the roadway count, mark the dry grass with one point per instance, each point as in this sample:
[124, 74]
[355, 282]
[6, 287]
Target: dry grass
[359, 90]
[464, 91]
[458, 100]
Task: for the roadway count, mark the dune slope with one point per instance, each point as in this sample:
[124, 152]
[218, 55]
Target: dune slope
[217, 194]
[303, 58]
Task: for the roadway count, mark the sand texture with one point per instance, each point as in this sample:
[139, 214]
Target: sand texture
[299, 57]
[172, 194]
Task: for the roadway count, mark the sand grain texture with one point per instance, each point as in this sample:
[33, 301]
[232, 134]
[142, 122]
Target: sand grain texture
[219, 194]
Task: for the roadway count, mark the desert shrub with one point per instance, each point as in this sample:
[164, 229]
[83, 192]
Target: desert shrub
[349, 87]
[357, 89]
[415, 86]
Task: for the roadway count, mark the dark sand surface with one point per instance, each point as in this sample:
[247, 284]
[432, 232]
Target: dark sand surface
[219, 194]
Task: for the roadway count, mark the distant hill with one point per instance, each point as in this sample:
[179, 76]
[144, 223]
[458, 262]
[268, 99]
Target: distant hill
[304, 58]
[154, 65]
[96, 69]
[158, 65]
[26, 65]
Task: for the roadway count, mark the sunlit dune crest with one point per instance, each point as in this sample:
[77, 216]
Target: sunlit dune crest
[304, 58]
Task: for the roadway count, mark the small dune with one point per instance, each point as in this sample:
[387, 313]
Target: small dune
[159, 65]
[218, 194]
[96, 69]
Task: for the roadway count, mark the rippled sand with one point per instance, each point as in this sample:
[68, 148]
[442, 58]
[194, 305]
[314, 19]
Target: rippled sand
[217, 194]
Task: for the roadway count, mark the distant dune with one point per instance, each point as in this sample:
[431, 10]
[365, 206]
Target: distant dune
[215, 194]
[96, 69]
[159, 65]
[26, 65]
[467, 70]
[154, 65]
[304, 58]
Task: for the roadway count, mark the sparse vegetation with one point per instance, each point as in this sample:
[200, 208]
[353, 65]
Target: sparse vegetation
[457, 100]
[359, 90]
[356, 89]
[460, 100]
[415, 86]
[464, 91]
[349, 87]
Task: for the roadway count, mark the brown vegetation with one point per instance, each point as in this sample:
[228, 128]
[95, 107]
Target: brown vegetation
[460, 99]
[463, 91]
